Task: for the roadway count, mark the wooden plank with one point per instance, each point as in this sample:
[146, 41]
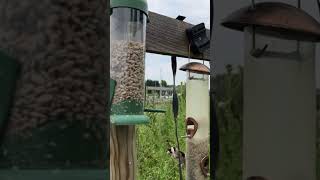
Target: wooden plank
[123, 153]
[167, 36]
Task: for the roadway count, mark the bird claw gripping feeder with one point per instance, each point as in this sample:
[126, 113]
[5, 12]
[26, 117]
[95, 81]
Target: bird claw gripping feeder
[127, 67]
[197, 120]
[279, 90]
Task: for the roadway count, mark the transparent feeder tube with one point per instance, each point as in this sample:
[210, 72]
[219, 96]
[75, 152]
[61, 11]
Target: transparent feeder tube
[197, 124]
[127, 62]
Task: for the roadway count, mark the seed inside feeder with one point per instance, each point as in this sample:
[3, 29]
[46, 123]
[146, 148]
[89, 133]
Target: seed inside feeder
[61, 49]
[127, 68]
[196, 151]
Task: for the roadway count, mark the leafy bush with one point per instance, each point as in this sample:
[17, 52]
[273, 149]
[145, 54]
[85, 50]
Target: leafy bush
[155, 138]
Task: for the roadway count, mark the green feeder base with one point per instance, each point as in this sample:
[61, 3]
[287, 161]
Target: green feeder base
[129, 119]
[142, 5]
[80, 174]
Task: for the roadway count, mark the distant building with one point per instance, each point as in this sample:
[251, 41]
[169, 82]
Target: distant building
[162, 91]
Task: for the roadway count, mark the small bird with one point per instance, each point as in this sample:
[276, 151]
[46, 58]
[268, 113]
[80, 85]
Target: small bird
[173, 152]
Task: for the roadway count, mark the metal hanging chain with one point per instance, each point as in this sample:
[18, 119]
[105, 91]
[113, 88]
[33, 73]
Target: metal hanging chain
[202, 58]
[189, 55]
[298, 42]
[318, 2]
[253, 6]
[175, 109]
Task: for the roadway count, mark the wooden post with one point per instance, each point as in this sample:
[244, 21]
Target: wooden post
[123, 158]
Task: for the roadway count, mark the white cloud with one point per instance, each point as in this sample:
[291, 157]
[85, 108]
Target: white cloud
[195, 11]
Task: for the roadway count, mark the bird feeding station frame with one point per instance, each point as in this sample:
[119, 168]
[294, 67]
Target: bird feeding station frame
[165, 36]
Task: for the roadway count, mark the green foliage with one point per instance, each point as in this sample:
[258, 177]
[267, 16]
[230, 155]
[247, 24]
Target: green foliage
[229, 114]
[153, 83]
[229, 90]
[181, 89]
[164, 83]
[153, 161]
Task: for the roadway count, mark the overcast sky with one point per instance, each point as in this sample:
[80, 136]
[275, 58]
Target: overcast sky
[159, 66]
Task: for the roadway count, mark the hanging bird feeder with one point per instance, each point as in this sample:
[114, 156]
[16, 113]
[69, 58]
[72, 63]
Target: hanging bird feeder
[284, 27]
[276, 19]
[127, 63]
[197, 120]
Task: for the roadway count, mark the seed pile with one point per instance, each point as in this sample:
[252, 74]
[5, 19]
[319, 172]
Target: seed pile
[127, 68]
[61, 48]
[196, 150]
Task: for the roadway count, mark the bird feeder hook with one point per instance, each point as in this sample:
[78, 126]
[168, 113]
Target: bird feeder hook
[257, 52]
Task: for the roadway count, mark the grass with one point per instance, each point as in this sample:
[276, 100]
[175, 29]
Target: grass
[155, 163]
[152, 145]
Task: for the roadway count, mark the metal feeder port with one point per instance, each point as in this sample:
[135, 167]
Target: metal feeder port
[204, 164]
[127, 63]
[191, 127]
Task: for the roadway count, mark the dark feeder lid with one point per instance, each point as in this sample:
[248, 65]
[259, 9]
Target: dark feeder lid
[196, 67]
[276, 19]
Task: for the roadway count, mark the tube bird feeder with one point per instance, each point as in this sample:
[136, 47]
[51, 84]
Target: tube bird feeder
[127, 67]
[197, 120]
[274, 118]
[128, 23]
